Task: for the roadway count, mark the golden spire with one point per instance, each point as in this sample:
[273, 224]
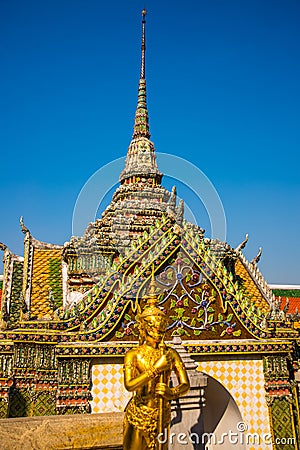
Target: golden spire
[141, 160]
[142, 75]
[141, 121]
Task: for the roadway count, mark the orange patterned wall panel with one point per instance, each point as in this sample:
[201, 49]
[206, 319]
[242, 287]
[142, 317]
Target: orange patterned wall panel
[41, 280]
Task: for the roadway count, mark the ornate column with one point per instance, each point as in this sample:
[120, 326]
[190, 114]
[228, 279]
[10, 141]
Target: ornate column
[74, 386]
[6, 373]
[281, 402]
[33, 392]
[187, 420]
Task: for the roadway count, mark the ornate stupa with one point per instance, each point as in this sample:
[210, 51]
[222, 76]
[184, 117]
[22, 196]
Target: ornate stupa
[68, 311]
[137, 203]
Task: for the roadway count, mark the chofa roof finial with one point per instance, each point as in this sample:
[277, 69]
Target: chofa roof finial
[242, 244]
[23, 227]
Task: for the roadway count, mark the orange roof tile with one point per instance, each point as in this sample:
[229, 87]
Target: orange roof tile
[294, 302]
[251, 288]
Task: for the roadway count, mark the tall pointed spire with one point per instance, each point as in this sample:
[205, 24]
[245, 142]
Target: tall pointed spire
[141, 122]
[141, 160]
[140, 199]
[144, 12]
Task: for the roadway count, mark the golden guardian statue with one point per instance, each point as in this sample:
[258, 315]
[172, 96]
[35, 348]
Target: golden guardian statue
[147, 373]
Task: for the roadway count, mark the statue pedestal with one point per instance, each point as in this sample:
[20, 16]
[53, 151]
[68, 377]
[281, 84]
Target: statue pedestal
[187, 421]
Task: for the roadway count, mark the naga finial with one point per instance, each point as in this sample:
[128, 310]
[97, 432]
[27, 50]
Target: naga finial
[242, 244]
[256, 259]
[3, 247]
[23, 227]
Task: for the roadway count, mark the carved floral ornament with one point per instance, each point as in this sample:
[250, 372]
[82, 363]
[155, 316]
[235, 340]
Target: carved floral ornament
[191, 301]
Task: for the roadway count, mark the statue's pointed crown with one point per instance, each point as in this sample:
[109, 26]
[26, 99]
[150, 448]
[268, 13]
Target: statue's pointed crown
[151, 307]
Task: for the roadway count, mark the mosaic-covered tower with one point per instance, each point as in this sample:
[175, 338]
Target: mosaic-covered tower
[68, 312]
[137, 203]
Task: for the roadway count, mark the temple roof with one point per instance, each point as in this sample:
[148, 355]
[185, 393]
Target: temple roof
[91, 287]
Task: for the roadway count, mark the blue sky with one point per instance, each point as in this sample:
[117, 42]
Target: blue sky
[223, 93]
